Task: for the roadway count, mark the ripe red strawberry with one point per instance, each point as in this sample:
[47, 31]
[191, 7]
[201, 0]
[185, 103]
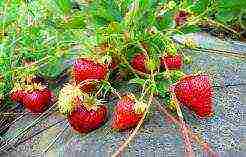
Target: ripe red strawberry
[17, 95]
[139, 62]
[181, 17]
[85, 120]
[125, 114]
[195, 92]
[84, 69]
[172, 62]
[37, 100]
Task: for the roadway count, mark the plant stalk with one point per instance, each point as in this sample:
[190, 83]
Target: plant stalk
[206, 147]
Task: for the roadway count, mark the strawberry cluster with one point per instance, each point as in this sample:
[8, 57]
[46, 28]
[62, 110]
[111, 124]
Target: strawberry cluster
[85, 113]
[172, 62]
[194, 91]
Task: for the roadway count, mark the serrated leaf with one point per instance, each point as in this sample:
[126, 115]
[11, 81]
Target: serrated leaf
[200, 6]
[64, 5]
[165, 21]
[225, 16]
[105, 12]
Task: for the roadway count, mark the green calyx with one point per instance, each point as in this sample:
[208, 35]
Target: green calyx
[152, 64]
[91, 103]
[67, 98]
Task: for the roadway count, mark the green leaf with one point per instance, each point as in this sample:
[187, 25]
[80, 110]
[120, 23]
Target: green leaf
[200, 6]
[228, 12]
[225, 16]
[176, 75]
[64, 5]
[52, 69]
[76, 21]
[191, 29]
[138, 81]
[165, 21]
[187, 3]
[152, 64]
[153, 88]
[103, 12]
[162, 86]
[163, 90]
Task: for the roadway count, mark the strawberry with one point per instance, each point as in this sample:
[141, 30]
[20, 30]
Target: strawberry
[139, 62]
[84, 119]
[17, 95]
[84, 113]
[195, 92]
[37, 100]
[84, 69]
[172, 62]
[181, 17]
[127, 113]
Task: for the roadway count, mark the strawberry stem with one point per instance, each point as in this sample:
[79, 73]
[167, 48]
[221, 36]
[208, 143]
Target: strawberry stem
[206, 147]
[188, 148]
[144, 90]
[218, 24]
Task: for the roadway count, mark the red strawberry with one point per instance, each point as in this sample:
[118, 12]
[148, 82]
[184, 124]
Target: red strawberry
[125, 115]
[17, 96]
[37, 100]
[139, 62]
[84, 69]
[172, 62]
[181, 17]
[196, 93]
[85, 120]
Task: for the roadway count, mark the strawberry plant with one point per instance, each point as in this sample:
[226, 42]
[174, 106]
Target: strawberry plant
[102, 46]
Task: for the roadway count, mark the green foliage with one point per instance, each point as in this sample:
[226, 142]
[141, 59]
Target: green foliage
[200, 6]
[176, 75]
[75, 21]
[64, 5]
[32, 34]
[47, 33]
[229, 11]
[106, 11]
[191, 29]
